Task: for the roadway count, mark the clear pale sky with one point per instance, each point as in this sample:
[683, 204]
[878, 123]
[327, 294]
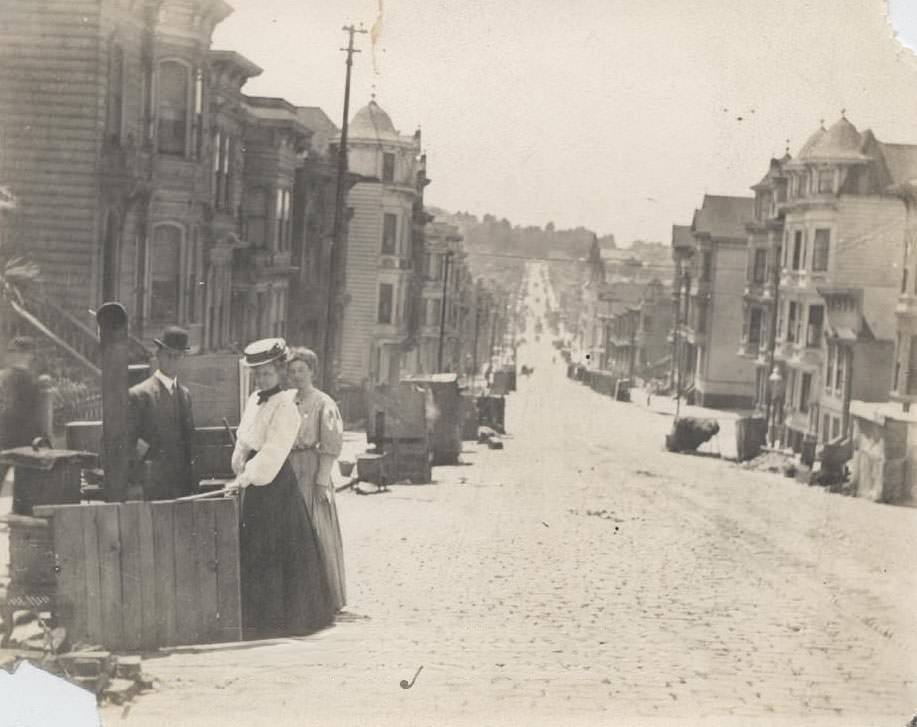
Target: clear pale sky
[612, 114]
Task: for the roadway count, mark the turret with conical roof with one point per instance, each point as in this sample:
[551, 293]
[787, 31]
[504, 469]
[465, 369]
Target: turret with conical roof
[842, 141]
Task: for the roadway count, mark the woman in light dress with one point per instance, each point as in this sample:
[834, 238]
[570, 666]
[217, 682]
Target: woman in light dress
[283, 581]
[317, 446]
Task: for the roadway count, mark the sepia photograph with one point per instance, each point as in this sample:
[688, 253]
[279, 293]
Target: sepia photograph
[420, 363]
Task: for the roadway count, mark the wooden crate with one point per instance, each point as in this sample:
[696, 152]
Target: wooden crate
[141, 575]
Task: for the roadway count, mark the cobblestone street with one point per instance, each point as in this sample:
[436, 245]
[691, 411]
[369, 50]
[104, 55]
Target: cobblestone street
[585, 576]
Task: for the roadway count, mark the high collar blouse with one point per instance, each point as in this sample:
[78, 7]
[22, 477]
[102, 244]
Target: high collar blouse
[269, 429]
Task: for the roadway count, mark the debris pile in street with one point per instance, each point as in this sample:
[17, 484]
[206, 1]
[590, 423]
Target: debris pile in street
[770, 461]
[688, 433]
[488, 436]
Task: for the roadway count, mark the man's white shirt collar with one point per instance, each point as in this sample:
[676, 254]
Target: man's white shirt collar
[166, 381]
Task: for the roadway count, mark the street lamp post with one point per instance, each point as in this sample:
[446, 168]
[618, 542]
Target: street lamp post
[447, 259]
[775, 386]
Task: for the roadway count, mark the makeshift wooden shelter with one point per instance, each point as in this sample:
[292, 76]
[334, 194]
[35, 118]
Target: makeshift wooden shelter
[446, 415]
[400, 425]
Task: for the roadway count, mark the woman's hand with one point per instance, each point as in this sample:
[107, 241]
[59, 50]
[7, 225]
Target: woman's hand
[236, 485]
[238, 462]
[324, 493]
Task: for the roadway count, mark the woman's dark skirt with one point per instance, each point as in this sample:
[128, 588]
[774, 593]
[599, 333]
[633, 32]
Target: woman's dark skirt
[284, 592]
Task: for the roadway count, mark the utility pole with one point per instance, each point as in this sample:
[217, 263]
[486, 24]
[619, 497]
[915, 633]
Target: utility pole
[683, 281]
[477, 327]
[447, 259]
[769, 402]
[331, 322]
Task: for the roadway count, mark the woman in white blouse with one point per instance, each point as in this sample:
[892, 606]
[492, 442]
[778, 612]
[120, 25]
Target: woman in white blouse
[284, 585]
[317, 446]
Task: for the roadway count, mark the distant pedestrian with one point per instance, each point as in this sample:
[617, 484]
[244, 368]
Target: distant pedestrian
[161, 424]
[20, 414]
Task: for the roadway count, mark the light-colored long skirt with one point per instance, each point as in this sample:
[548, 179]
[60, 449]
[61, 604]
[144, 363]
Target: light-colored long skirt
[325, 521]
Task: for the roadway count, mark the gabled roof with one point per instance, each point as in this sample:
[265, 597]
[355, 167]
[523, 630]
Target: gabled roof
[901, 161]
[682, 236]
[723, 217]
[322, 127]
[774, 171]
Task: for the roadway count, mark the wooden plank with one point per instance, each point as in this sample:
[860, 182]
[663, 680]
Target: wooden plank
[131, 574]
[164, 556]
[95, 633]
[149, 612]
[229, 594]
[69, 551]
[187, 606]
[110, 574]
[205, 549]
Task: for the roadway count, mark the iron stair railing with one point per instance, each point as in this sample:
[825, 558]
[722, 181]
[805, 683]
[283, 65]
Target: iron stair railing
[75, 338]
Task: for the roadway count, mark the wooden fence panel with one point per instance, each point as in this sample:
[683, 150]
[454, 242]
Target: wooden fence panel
[229, 597]
[187, 617]
[149, 608]
[131, 575]
[110, 571]
[164, 617]
[141, 575]
[70, 560]
[95, 626]
[206, 551]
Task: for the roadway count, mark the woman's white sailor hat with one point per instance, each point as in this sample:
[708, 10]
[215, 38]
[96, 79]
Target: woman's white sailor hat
[264, 351]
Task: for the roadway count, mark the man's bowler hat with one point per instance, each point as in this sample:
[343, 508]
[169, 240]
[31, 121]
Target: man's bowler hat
[174, 338]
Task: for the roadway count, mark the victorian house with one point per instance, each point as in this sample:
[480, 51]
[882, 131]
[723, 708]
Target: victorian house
[143, 174]
[275, 140]
[845, 233]
[443, 299]
[383, 270]
[618, 315]
[762, 278]
[313, 230]
[711, 265]
[589, 330]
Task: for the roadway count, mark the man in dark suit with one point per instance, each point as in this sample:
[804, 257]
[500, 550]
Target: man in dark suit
[20, 420]
[162, 425]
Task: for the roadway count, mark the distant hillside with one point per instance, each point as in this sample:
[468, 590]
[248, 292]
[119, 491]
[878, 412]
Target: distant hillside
[497, 249]
[501, 235]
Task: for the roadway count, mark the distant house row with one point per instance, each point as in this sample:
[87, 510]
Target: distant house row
[143, 173]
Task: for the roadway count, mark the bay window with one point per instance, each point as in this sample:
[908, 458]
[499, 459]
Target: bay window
[389, 234]
[821, 249]
[165, 274]
[115, 109]
[172, 114]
